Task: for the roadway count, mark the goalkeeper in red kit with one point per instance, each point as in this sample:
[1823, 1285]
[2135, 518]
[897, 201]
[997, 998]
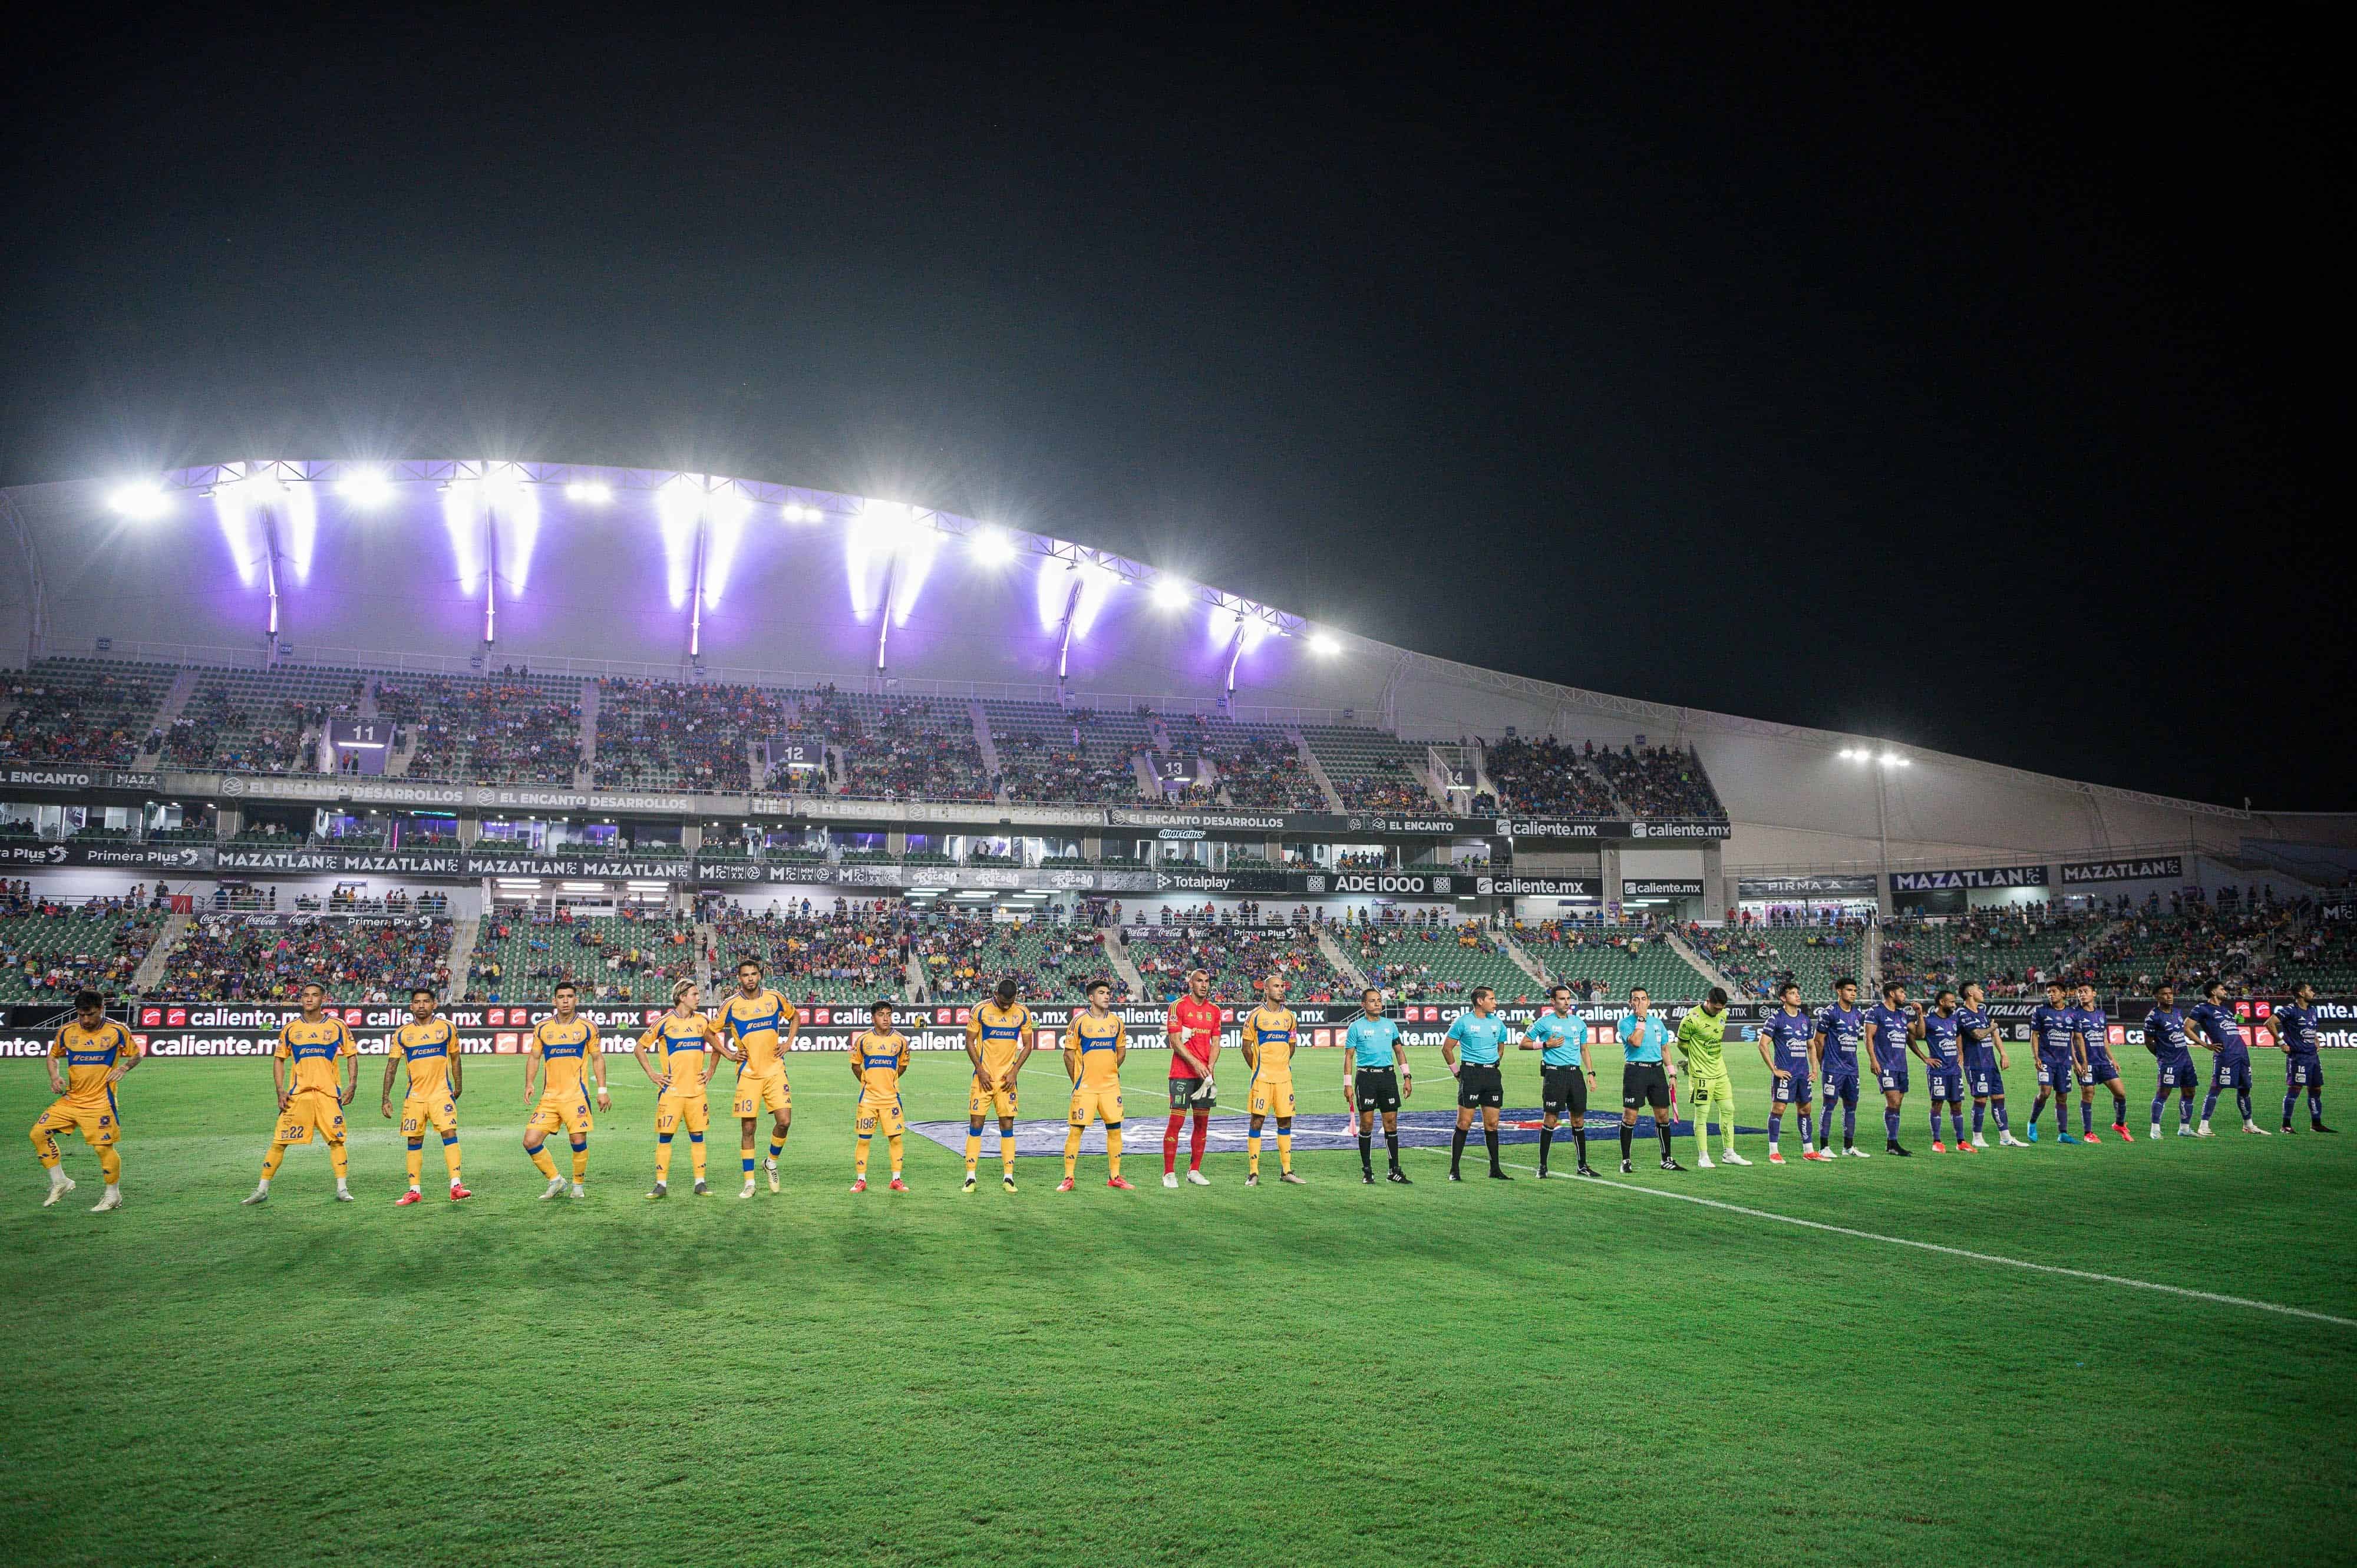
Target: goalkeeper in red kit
[1194, 1029]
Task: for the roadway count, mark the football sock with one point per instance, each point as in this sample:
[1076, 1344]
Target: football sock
[1956, 1117]
[1489, 1137]
[1006, 1150]
[1849, 1123]
[2316, 1105]
[859, 1155]
[1284, 1151]
[1252, 1152]
[1202, 1130]
[663, 1156]
[45, 1148]
[749, 1165]
[1456, 1150]
[1578, 1145]
[1804, 1129]
[2087, 1115]
[1367, 1151]
[2241, 1103]
[1112, 1151]
[2037, 1109]
[339, 1158]
[1390, 1143]
[450, 1157]
[696, 1153]
[2209, 1103]
[777, 1148]
[1072, 1151]
[1980, 1111]
[972, 1149]
[1546, 1143]
[2159, 1104]
[2185, 1110]
[580, 1162]
[1996, 1109]
[110, 1165]
[1935, 1122]
[2291, 1098]
[1628, 1138]
[1170, 1143]
[1890, 1125]
[1661, 1128]
[1775, 1127]
[894, 1139]
[1825, 1125]
[540, 1158]
[417, 1157]
[270, 1161]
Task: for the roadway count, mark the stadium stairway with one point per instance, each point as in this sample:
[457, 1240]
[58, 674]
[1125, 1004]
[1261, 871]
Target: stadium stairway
[708, 941]
[1117, 954]
[1334, 951]
[913, 980]
[985, 743]
[176, 697]
[150, 973]
[1873, 969]
[1692, 955]
[1317, 771]
[1523, 961]
[462, 953]
[587, 773]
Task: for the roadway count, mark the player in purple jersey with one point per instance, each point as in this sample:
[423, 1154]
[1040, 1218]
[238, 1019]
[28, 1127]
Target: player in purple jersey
[2095, 1051]
[1787, 1044]
[1841, 1035]
[1984, 1064]
[2294, 1027]
[1889, 1040]
[2167, 1036]
[2054, 1033]
[1941, 1034]
[2222, 1033]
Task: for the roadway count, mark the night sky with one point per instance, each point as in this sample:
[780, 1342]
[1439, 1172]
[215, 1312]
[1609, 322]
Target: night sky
[1972, 390]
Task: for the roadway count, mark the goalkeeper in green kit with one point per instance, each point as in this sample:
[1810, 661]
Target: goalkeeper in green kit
[1701, 1036]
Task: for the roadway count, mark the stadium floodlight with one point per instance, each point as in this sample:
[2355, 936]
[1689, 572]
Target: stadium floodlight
[1171, 594]
[1319, 643]
[595, 492]
[365, 487]
[583, 886]
[992, 547]
[142, 500]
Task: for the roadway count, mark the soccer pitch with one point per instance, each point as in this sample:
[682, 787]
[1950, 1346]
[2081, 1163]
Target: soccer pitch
[1327, 1374]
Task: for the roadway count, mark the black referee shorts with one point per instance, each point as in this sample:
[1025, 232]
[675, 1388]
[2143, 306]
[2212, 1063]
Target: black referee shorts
[1644, 1083]
[1478, 1085]
[1376, 1089]
[1564, 1090]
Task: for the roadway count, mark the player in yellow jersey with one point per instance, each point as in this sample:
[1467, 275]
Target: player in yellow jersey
[563, 1045]
[97, 1051]
[878, 1057]
[327, 1074]
[1000, 1037]
[1094, 1045]
[763, 1026]
[1268, 1036]
[690, 1044]
[430, 1046]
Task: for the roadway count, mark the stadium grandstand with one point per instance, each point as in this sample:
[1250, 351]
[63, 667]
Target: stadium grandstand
[961, 730]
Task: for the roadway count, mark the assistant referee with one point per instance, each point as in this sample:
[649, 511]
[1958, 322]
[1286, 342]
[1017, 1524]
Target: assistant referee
[1645, 1076]
[1374, 1071]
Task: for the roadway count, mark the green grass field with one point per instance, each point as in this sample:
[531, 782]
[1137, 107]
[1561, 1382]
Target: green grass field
[1332, 1374]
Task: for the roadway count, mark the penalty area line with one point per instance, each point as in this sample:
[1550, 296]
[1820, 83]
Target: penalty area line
[1967, 1252]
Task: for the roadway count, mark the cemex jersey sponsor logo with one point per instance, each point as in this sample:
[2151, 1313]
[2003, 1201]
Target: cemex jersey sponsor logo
[1535, 887]
[1539, 830]
[1970, 877]
[2158, 867]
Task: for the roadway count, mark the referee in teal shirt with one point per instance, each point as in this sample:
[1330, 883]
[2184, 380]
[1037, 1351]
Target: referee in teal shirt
[1644, 1076]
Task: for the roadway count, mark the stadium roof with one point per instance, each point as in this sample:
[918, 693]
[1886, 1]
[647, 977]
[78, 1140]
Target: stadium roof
[599, 569]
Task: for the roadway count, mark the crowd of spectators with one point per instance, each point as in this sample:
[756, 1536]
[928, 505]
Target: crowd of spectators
[910, 751]
[2200, 943]
[1545, 777]
[681, 734]
[1388, 785]
[1237, 957]
[1046, 960]
[500, 729]
[1260, 769]
[1061, 762]
[858, 950]
[70, 712]
[230, 957]
[1660, 781]
[630, 957]
[51, 947]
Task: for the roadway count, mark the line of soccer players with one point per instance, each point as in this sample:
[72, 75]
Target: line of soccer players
[315, 1075]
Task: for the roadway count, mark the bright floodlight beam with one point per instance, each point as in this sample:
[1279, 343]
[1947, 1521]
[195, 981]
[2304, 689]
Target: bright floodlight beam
[365, 487]
[1171, 594]
[142, 500]
[1319, 643]
[993, 548]
[593, 492]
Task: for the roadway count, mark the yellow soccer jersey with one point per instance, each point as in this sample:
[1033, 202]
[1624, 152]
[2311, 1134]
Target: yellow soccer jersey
[1269, 1031]
[314, 1048]
[565, 1052]
[426, 1048]
[682, 1045]
[759, 1023]
[882, 1059]
[1098, 1040]
[999, 1033]
[91, 1056]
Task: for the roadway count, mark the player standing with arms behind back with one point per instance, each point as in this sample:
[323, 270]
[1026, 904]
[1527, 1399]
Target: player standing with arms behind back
[878, 1057]
[1266, 1038]
[763, 1025]
[2097, 1066]
[430, 1046]
[327, 1074]
[1889, 1040]
[1094, 1043]
[1942, 1033]
[564, 1049]
[689, 1045]
[1000, 1037]
[1374, 1063]
[1788, 1044]
[1984, 1064]
[97, 1052]
[1480, 1085]
[1193, 1031]
[2294, 1027]
[2167, 1037]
